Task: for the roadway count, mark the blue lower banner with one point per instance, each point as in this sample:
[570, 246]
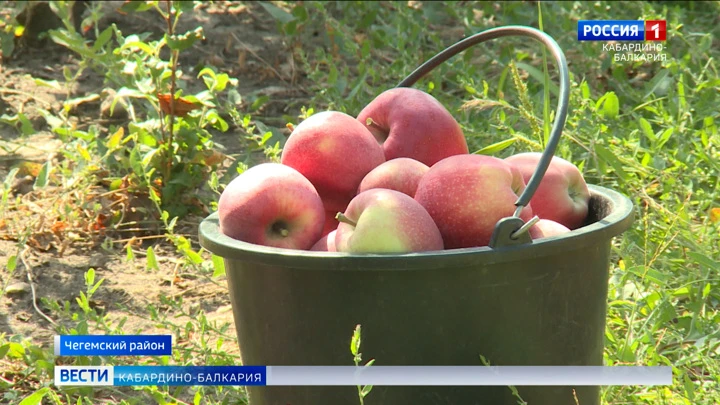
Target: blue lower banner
[113, 345]
[373, 375]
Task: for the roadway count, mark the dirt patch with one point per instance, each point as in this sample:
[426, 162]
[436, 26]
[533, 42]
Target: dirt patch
[241, 40]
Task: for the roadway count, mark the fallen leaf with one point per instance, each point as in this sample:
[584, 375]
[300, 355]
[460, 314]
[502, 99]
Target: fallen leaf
[100, 222]
[58, 227]
[27, 168]
[182, 105]
[210, 157]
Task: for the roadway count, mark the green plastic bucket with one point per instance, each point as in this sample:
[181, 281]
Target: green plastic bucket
[517, 302]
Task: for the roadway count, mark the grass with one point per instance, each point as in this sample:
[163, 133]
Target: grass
[647, 130]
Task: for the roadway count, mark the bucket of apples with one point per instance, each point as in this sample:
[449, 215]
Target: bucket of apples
[386, 220]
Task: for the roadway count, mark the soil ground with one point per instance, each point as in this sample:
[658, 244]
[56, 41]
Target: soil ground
[241, 40]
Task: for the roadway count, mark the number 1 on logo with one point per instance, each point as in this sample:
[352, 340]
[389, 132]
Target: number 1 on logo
[655, 30]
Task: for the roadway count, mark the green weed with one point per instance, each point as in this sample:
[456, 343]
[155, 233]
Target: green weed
[355, 343]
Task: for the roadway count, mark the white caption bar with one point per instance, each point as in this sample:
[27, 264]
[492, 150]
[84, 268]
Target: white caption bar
[469, 375]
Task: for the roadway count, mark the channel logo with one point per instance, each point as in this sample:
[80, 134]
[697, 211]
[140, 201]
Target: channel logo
[622, 30]
[84, 375]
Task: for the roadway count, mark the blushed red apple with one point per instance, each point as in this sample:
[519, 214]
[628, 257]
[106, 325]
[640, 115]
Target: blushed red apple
[399, 174]
[334, 151]
[326, 243]
[386, 221]
[562, 195]
[467, 195]
[411, 123]
[273, 205]
[546, 228]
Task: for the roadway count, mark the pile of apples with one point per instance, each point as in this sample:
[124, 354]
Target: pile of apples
[396, 179]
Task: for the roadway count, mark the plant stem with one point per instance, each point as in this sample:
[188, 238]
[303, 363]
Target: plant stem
[173, 67]
[546, 86]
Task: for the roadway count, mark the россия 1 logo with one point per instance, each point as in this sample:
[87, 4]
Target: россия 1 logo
[645, 38]
[622, 30]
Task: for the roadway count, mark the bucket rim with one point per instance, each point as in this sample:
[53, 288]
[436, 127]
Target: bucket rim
[601, 232]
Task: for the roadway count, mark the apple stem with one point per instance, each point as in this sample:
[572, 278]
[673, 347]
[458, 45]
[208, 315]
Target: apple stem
[369, 122]
[342, 218]
[281, 227]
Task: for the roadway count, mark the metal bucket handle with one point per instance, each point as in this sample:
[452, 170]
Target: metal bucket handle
[513, 230]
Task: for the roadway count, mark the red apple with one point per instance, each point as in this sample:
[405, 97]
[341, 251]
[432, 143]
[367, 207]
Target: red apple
[467, 195]
[411, 123]
[562, 195]
[273, 205]
[545, 228]
[331, 223]
[325, 244]
[400, 174]
[386, 221]
[334, 151]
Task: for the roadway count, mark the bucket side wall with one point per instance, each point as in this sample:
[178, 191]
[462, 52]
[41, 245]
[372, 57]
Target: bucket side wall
[549, 311]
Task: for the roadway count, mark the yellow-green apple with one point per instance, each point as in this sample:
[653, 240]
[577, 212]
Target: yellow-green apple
[334, 151]
[273, 205]
[399, 174]
[467, 195]
[386, 221]
[326, 243]
[545, 228]
[411, 123]
[562, 195]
